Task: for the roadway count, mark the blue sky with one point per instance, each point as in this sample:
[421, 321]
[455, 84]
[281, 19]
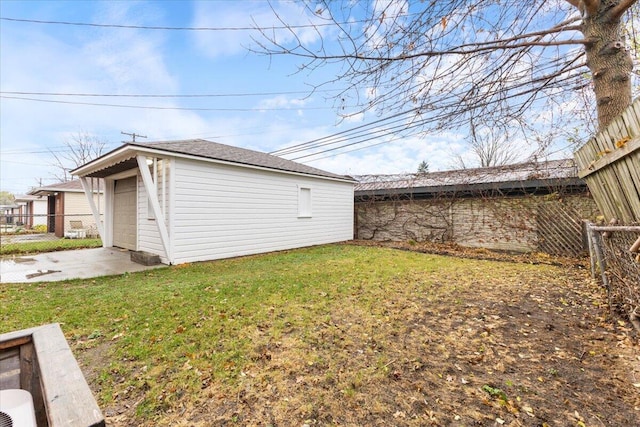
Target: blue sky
[267, 104]
[81, 59]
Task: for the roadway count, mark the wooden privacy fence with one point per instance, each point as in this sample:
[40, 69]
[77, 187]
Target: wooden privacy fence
[610, 165]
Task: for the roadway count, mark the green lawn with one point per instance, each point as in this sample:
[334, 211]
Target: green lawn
[23, 248]
[170, 341]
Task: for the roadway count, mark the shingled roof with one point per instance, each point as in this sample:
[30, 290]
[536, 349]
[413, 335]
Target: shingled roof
[73, 186]
[518, 177]
[212, 150]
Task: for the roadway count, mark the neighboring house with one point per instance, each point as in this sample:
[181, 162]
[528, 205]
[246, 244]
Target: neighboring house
[66, 202]
[523, 207]
[197, 200]
[7, 214]
[33, 210]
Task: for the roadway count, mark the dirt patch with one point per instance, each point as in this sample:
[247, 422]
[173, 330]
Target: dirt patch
[531, 348]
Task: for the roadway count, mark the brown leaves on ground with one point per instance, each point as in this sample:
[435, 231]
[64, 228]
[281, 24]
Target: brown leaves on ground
[451, 249]
[523, 347]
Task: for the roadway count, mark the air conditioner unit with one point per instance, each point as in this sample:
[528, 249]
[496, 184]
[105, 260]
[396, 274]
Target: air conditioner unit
[16, 409]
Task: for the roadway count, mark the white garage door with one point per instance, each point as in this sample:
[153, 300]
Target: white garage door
[125, 213]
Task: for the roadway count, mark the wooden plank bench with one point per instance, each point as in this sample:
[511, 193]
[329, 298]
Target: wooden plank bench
[40, 361]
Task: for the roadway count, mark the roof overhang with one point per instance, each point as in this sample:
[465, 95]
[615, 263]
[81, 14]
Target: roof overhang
[46, 191]
[116, 161]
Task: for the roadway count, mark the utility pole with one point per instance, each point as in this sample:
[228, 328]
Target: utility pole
[133, 136]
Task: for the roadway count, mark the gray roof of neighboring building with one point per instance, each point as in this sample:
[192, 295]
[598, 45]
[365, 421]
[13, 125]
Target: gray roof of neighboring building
[73, 186]
[214, 151]
[28, 198]
[518, 176]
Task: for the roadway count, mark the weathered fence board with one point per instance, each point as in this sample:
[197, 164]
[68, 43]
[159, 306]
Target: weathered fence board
[610, 164]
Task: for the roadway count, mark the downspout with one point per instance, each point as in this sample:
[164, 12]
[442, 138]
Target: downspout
[147, 180]
[92, 205]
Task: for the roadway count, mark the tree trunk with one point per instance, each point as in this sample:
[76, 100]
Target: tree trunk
[609, 61]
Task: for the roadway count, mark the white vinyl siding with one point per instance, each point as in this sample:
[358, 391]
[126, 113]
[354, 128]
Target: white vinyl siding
[223, 211]
[148, 234]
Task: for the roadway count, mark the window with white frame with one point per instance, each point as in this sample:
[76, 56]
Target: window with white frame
[304, 201]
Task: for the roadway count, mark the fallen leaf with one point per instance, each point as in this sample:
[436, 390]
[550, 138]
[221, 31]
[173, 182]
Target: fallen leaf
[528, 410]
[399, 414]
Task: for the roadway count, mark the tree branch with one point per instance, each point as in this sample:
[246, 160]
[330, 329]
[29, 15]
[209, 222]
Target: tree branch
[616, 12]
[591, 6]
[404, 56]
[575, 3]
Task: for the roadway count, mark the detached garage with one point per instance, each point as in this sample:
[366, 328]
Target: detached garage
[197, 200]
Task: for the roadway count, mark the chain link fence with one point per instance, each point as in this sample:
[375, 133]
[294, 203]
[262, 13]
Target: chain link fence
[22, 234]
[615, 257]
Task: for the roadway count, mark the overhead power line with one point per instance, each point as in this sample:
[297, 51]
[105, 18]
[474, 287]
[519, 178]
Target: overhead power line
[195, 95]
[170, 28]
[395, 132]
[149, 27]
[343, 135]
[143, 107]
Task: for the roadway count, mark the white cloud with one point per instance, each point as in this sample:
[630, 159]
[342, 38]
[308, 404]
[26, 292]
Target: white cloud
[388, 15]
[47, 59]
[282, 101]
[396, 156]
[354, 118]
[127, 58]
[251, 15]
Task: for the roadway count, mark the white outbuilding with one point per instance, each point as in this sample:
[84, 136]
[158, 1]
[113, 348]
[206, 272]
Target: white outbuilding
[197, 200]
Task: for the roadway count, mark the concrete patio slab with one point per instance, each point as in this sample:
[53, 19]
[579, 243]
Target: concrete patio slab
[64, 265]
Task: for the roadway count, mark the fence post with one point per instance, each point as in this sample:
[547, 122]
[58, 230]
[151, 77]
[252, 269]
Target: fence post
[592, 256]
[596, 237]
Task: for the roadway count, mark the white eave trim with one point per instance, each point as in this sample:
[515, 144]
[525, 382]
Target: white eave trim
[118, 155]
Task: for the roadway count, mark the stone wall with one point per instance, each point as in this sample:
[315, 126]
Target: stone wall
[548, 223]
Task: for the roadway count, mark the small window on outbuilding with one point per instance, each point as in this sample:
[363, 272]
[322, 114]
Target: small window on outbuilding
[304, 201]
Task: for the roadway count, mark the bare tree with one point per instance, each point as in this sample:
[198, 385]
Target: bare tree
[448, 61]
[80, 148]
[494, 145]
